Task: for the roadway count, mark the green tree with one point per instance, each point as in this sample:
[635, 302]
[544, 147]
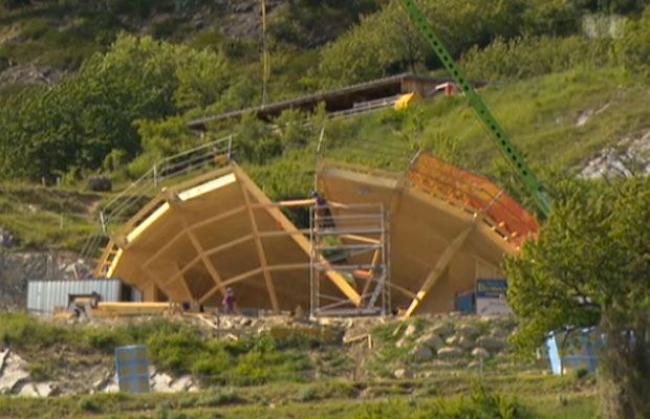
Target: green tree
[634, 47]
[80, 121]
[386, 42]
[589, 266]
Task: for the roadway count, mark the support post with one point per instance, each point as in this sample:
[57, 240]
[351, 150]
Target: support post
[439, 268]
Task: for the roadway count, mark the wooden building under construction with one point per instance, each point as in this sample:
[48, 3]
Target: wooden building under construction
[448, 229]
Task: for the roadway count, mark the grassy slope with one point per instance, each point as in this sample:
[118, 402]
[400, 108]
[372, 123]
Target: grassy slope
[231, 392]
[540, 115]
[40, 217]
[541, 397]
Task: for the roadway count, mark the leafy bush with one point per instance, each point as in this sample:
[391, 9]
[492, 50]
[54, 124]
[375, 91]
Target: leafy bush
[12, 4]
[80, 121]
[480, 405]
[386, 42]
[22, 331]
[526, 57]
[634, 47]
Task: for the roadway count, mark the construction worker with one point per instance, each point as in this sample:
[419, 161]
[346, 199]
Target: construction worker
[229, 302]
[322, 211]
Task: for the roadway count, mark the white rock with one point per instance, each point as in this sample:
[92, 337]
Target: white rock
[44, 389]
[161, 383]
[182, 383]
[13, 373]
[474, 364]
[449, 352]
[480, 353]
[452, 340]
[112, 387]
[401, 373]
[36, 390]
[28, 390]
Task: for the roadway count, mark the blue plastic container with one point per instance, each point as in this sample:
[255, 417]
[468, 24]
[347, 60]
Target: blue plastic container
[132, 366]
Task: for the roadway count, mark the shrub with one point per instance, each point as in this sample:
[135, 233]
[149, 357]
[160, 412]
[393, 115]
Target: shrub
[634, 47]
[24, 332]
[526, 57]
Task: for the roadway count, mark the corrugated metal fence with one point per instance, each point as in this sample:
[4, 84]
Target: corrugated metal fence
[43, 297]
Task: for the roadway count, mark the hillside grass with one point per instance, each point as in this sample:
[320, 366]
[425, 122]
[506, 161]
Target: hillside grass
[538, 397]
[41, 217]
[539, 114]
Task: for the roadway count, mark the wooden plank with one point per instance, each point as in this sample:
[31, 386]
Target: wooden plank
[297, 203]
[439, 268]
[193, 227]
[358, 238]
[375, 260]
[216, 277]
[300, 240]
[259, 247]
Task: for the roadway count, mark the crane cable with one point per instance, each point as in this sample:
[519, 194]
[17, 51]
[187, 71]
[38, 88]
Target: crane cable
[266, 59]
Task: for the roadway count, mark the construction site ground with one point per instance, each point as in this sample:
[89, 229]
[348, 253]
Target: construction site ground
[277, 366]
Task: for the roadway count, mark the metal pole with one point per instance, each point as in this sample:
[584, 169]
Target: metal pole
[102, 220]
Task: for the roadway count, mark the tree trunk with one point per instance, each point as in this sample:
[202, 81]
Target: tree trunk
[625, 367]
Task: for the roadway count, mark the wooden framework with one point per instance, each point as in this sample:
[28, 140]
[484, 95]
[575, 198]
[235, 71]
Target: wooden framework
[442, 220]
[220, 230]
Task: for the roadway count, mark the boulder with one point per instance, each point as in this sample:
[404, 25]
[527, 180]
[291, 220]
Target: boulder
[490, 343]
[28, 390]
[14, 371]
[432, 341]
[466, 343]
[161, 383]
[401, 373]
[422, 354]
[449, 352]
[474, 364]
[439, 363]
[452, 340]
[100, 184]
[480, 353]
[182, 383]
[442, 329]
[469, 330]
[36, 390]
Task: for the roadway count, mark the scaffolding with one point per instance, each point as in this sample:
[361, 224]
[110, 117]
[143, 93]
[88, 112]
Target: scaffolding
[351, 240]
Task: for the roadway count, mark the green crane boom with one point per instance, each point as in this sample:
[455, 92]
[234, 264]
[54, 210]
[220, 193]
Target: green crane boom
[498, 135]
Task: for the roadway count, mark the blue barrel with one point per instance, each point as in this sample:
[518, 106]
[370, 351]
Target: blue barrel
[132, 366]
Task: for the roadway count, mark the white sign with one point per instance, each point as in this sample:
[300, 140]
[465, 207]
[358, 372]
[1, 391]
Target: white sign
[486, 306]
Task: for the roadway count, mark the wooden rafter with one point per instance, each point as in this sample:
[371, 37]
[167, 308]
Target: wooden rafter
[441, 265]
[193, 227]
[300, 239]
[173, 200]
[259, 247]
